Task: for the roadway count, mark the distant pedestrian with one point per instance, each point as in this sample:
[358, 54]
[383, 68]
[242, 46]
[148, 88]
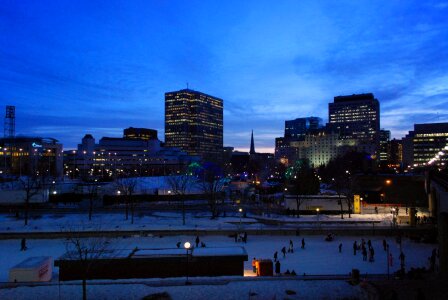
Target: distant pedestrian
[303, 243]
[372, 255]
[254, 265]
[245, 237]
[369, 244]
[197, 241]
[432, 262]
[401, 257]
[384, 245]
[355, 247]
[277, 268]
[291, 246]
[340, 247]
[23, 246]
[284, 252]
[275, 256]
[364, 254]
[376, 210]
[178, 244]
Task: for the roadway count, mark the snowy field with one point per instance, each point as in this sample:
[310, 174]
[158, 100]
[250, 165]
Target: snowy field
[224, 290]
[318, 257]
[173, 221]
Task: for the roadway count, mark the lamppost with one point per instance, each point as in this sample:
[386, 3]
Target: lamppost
[84, 169]
[317, 214]
[187, 246]
[49, 162]
[241, 212]
[4, 155]
[20, 162]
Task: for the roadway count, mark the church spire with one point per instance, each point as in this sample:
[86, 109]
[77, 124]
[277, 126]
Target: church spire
[252, 144]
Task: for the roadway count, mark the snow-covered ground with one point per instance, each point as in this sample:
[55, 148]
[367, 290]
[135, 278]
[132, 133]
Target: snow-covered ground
[318, 257]
[225, 290]
[173, 221]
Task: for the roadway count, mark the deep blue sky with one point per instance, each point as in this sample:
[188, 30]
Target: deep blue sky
[76, 67]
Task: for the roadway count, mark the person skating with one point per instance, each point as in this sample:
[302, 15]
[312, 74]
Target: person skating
[275, 256]
[340, 247]
[23, 246]
[372, 255]
[277, 268]
[284, 252]
[369, 244]
[303, 243]
[401, 257]
[197, 241]
[291, 246]
[384, 245]
[355, 247]
[364, 254]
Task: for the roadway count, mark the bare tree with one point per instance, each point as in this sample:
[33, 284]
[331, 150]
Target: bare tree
[84, 250]
[179, 185]
[342, 185]
[303, 182]
[126, 186]
[92, 192]
[31, 185]
[212, 188]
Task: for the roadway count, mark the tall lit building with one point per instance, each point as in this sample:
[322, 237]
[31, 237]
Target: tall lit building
[384, 146]
[194, 123]
[357, 117]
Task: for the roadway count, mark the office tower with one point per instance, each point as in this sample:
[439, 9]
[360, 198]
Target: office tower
[140, 133]
[194, 123]
[357, 117]
[396, 153]
[384, 146]
[296, 129]
[426, 143]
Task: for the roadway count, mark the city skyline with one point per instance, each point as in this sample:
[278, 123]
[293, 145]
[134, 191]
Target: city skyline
[77, 68]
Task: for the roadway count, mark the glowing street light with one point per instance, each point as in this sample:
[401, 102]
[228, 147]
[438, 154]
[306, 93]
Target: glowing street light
[187, 246]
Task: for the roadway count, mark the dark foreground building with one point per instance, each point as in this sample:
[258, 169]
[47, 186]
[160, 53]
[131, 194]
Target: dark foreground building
[155, 263]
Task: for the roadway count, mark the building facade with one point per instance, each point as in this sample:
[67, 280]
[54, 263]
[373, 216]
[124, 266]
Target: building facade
[357, 117]
[194, 123]
[427, 144]
[384, 151]
[140, 133]
[31, 156]
[112, 157]
[296, 129]
[321, 146]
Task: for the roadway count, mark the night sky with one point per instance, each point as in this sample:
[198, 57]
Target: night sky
[77, 67]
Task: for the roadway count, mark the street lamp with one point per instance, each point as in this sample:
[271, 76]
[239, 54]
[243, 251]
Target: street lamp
[20, 162]
[187, 246]
[317, 214]
[241, 211]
